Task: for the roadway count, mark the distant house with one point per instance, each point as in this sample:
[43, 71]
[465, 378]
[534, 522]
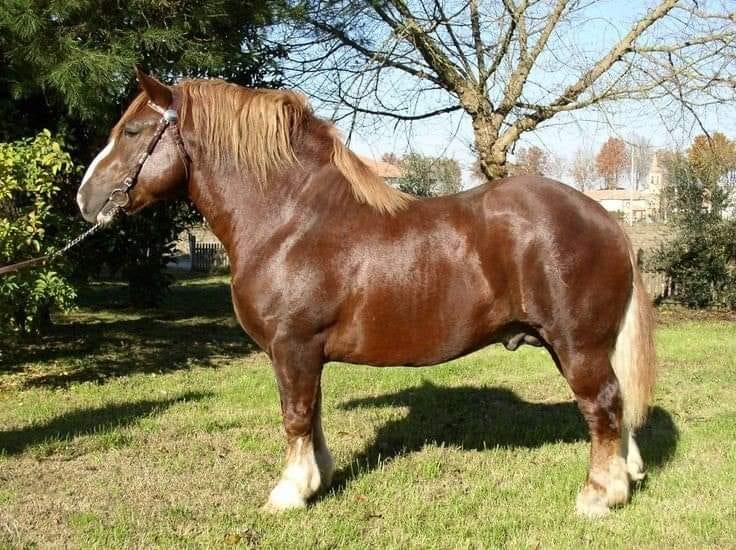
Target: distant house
[388, 171]
[632, 205]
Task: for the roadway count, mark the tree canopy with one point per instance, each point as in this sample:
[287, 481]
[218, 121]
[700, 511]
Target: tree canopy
[67, 65]
[713, 158]
[510, 65]
[700, 258]
[583, 169]
[531, 160]
[611, 161]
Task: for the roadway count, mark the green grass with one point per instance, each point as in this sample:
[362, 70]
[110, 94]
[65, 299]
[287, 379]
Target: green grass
[161, 429]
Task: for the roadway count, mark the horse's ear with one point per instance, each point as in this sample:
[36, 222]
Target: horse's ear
[158, 93]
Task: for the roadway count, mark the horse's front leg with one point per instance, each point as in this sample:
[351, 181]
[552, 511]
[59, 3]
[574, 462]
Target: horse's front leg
[309, 465]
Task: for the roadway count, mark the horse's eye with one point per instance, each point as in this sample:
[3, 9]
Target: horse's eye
[132, 129]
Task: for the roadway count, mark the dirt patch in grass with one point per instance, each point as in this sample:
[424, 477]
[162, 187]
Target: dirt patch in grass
[673, 314]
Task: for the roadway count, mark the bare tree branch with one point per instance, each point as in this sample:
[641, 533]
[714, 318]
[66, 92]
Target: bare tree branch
[511, 65]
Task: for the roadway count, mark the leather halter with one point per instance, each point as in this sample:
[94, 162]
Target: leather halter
[120, 197]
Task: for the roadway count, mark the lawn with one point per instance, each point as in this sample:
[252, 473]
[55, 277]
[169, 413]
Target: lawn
[129, 429]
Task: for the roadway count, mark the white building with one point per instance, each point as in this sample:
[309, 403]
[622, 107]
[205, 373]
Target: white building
[632, 205]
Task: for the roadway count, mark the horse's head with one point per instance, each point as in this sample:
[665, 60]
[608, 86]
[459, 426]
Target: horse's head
[163, 174]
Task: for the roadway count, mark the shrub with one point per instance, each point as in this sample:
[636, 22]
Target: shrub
[428, 176]
[701, 259]
[32, 172]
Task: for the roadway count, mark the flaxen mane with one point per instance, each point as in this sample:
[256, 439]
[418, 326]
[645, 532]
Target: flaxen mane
[256, 128]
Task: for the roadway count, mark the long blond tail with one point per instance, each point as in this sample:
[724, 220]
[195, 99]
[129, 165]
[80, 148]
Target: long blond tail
[634, 357]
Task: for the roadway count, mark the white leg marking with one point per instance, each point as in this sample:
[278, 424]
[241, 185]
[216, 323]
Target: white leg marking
[630, 451]
[322, 454]
[617, 488]
[300, 479]
[610, 487]
[91, 169]
[590, 504]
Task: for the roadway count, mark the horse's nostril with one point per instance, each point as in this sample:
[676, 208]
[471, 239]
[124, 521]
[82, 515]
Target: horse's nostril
[84, 209]
[80, 203]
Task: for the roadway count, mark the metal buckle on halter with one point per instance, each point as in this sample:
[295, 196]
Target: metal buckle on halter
[119, 192]
[170, 116]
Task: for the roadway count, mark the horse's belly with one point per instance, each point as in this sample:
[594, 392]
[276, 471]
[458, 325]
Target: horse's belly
[407, 330]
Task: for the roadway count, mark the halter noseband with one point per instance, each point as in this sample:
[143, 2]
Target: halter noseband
[120, 196]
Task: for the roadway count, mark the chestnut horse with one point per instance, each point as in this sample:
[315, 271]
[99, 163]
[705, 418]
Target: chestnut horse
[331, 264]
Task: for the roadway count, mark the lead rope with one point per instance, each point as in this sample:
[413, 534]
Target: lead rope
[12, 268]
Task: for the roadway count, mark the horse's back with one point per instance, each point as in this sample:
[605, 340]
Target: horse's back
[454, 273]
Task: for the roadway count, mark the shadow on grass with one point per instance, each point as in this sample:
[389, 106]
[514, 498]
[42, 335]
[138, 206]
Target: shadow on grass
[93, 420]
[194, 326]
[481, 418]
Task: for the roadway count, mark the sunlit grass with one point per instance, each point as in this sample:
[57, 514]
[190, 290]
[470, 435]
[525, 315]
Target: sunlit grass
[162, 428]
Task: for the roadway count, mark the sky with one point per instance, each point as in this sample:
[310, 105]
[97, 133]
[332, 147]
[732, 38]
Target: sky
[451, 135]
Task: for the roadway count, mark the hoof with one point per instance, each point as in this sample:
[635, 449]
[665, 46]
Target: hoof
[285, 496]
[591, 503]
[617, 492]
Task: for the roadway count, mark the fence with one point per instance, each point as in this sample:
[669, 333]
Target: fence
[206, 256]
[658, 285]
[662, 288]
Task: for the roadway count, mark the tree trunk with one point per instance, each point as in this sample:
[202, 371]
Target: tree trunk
[491, 157]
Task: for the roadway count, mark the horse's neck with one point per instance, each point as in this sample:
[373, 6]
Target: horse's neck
[243, 215]
[231, 207]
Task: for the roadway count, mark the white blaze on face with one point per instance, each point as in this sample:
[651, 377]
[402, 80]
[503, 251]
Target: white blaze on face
[91, 168]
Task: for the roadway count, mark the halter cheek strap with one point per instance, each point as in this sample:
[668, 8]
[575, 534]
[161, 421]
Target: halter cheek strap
[172, 117]
[120, 197]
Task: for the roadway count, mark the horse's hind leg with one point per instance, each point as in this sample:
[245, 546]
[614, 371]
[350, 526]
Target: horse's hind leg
[308, 462]
[321, 453]
[599, 398]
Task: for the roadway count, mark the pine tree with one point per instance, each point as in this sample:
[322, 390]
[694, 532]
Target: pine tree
[67, 65]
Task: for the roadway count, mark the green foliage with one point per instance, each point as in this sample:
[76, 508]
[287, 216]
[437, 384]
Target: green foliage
[428, 176]
[74, 58]
[68, 65]
[701, 259]
[32, 173]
